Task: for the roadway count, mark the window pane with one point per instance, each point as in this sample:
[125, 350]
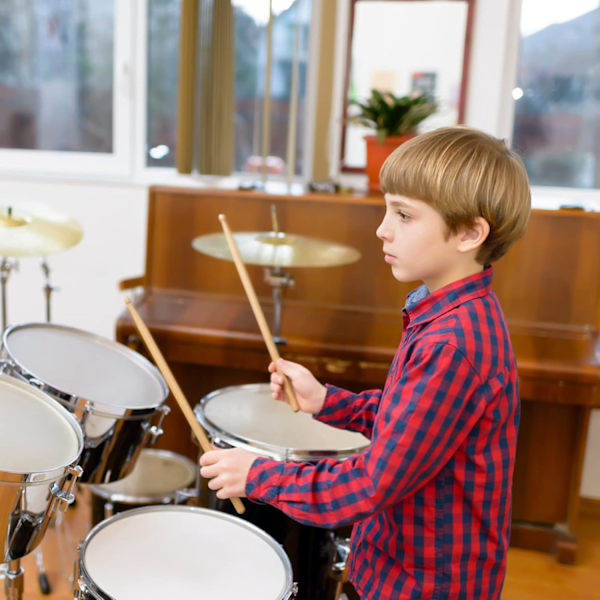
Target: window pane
[427, 57]
[291, 19]
[163, 61]
[56, 75]
[557, 117]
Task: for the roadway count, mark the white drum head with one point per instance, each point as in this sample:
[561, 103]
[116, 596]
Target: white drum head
[182, 552]
[157, 473]
[36, 433]
[81, 364]
[249, 414]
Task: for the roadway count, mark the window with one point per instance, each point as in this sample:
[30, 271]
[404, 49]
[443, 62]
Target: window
[557, 102]
[291, 28]
[161, 85]
[56, 75]
[68, 77]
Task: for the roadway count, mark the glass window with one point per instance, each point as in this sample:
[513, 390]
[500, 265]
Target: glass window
[557, 101]
[290, 38]
[56, 75]
[162, 68]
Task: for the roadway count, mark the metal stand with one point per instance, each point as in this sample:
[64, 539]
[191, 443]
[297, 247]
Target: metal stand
[278, 279]
[13, 580]
[48, 288]
[6, 266]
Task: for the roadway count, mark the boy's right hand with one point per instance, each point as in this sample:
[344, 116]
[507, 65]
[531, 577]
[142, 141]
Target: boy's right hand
[310, 394]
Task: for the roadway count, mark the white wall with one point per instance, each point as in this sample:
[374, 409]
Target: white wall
[113, 215]
[113, 218]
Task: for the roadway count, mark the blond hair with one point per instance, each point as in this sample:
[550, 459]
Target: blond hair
[464, 173]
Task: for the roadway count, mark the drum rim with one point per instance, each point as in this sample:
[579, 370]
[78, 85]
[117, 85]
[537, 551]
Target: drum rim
[122, 349]
[7, 476]
[96, 589]
[162, 498]
[271, 450]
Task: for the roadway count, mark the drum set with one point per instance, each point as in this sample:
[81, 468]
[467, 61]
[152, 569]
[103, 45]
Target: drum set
[76, 408]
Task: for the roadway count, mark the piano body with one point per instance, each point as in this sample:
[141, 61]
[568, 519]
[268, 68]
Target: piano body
[344, 323]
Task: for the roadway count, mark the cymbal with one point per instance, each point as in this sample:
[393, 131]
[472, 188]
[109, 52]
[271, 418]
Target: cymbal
[277, 249]
[36, 232]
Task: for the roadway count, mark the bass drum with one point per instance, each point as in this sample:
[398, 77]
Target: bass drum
[117, 395]
[159, 552]
[247, 417]
[157, 478]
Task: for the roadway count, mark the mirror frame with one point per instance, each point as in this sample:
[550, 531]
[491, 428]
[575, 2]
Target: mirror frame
[464, 75]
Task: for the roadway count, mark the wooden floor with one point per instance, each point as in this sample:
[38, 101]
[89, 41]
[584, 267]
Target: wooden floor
[530, 575]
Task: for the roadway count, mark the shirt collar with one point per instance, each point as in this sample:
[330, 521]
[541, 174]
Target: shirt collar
[422, 306]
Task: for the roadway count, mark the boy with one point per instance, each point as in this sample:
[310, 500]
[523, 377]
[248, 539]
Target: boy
[430, 497]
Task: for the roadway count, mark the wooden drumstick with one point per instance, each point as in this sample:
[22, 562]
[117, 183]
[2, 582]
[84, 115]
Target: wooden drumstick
[256, 309]
[163, 367]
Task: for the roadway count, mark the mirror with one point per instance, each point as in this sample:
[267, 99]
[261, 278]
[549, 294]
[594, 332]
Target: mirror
[406, 46]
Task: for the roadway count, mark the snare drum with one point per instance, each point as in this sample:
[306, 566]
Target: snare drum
[40, 444]
[156, 478]
[247, 417]
[115, 392]
[160, 552]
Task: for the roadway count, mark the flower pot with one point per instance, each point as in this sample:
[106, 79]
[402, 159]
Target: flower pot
[377, 152]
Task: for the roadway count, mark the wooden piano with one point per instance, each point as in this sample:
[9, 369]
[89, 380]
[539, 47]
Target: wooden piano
[344, 323]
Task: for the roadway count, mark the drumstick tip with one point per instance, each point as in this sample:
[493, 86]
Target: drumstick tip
[127, 300]
[222, 218]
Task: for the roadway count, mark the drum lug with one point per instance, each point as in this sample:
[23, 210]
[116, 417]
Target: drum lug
[155, 430]
[36, 383]
[340, 554]
[294, 589]
[65, 494]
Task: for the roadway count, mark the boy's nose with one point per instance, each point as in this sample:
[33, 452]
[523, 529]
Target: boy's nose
[381, 232]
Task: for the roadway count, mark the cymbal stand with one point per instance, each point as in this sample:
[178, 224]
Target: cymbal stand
[6, 266]
[13, 580]
[48, 288]
[278, 279]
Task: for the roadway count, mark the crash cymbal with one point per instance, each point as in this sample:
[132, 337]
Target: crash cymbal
[277, 249]
[36, 232]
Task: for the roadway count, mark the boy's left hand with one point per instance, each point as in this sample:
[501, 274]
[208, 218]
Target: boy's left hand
[227, 471]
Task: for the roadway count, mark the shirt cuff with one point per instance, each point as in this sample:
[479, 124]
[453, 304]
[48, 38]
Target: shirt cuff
[262, 483]
[333, 398]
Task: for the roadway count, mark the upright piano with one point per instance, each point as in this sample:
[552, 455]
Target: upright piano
[344, 323]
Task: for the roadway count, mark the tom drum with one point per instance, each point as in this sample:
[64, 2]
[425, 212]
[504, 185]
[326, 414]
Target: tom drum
[117, 395]
[40, 444]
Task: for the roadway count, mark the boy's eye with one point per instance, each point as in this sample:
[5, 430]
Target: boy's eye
[403, 216]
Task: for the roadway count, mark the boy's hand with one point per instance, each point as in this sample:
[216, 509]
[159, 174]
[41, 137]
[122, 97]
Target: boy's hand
[309, 392]
[227, 471]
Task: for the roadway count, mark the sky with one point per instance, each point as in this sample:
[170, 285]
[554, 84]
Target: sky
[537, 14]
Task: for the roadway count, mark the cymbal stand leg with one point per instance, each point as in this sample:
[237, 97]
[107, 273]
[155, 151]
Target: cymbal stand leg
[6, 266]
[48, 288]
[13, 580]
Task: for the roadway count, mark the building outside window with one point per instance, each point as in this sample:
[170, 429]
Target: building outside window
[557, 101]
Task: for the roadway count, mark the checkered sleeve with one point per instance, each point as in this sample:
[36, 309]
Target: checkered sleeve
[425, 413]
[346, 410]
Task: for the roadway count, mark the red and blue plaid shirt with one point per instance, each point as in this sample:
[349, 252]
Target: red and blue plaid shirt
[430, 497]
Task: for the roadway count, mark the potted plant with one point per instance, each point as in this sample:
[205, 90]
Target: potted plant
[394, 119]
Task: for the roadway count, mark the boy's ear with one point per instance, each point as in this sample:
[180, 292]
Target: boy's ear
[472, 237]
